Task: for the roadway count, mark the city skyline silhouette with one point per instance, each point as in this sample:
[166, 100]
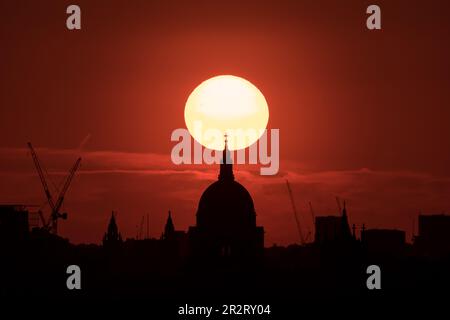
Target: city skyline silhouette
[223, 253]
[88, 184]
[114, 100]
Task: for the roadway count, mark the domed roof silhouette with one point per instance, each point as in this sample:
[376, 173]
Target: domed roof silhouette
[226, 204]
[226, 220]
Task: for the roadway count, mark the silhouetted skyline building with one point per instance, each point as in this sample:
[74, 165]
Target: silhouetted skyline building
[384, 241]
[170, 233]
[175, 242]
[112, 237]
[333, 228]
[13, 223]
[226, 219]
[434, 234]
[225, 231]
[169, 229]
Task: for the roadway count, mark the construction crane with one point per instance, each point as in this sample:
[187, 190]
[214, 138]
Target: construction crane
[339, 205]
[313, 215]
[294, 208]
[41, 217]
[52, 223]
[141, 229]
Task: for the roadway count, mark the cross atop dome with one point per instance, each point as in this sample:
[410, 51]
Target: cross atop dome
[226, 141]
[226, 165]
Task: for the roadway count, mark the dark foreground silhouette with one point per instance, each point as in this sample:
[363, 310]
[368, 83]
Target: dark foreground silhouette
[222, 256]
[36, 266]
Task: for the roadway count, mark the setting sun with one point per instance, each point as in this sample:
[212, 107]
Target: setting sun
[229, 105]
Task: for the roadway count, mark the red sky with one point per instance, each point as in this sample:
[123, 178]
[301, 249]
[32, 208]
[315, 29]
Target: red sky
[362, 114]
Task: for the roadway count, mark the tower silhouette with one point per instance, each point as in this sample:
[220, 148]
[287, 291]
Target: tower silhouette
[226, 219]
[169, 229]
[112, 237]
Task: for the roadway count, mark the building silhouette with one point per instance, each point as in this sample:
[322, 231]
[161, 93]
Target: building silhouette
[384, 241]
[169, 229]
[174, 242]
[226, 220]
[434, 235]
[333, 228]
[112, 237]
[13, 223]
[225, 239]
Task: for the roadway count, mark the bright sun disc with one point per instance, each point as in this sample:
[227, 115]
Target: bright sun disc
[226, 105]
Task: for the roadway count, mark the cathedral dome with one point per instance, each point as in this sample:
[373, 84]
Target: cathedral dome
[226, 219]
[226, 204]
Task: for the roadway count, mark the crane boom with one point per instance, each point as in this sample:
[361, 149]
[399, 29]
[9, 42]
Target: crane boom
[41, 176]
[339, 205]
[141, 229]
[312, 213]
[51, 223]
[67, 184]
[294, 208]
[41, 216]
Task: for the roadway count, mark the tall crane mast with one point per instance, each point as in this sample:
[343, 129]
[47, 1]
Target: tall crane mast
[56, 214]
[141, 229]
[313, 215]
[294, 209]
[41, 176]
[338, 201]
[52, 223]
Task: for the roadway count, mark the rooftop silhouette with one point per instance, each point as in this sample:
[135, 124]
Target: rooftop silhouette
[223, 252]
